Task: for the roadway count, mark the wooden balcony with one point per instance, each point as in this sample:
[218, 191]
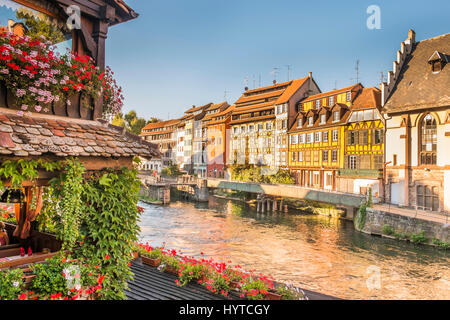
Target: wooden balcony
[75, 109]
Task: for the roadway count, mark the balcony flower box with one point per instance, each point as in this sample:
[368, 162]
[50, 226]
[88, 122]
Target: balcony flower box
[151, 262]
[273, 296]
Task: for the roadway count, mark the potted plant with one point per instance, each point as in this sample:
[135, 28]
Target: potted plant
[191, 272]
[171, 264]
[151, 258]
[254, 289]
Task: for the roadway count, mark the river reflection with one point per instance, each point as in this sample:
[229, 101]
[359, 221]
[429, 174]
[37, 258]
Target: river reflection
[314, 252]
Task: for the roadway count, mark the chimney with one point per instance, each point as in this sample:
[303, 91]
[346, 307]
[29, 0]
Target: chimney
[310, 75]
[274, 81]
[246, 88]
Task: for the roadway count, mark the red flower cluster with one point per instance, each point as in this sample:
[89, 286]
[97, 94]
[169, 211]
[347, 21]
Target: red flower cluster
[38, 77]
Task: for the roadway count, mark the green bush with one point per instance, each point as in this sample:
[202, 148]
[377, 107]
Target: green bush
[254, 174]
[388, 230]
[441, 244]
[419, 238]
[11, 284]
[49, 277]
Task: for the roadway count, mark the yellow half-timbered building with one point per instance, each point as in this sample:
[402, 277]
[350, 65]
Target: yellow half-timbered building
[317, 138]
[364, 146]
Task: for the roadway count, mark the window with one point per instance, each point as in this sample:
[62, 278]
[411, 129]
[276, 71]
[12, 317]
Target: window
[301, 138]
[316, 155]
[428, 141]
[251, 128]
[310, 121]
[260, 127]
[353, 138]
[352, 162]
[428, 198]
[335, 135]
[378, 162]
[325, 136]
[331, 101]
[364, 137]
[294, 154]
[268, 126]
[242, 129]
[317, 137]
[349, 96]
[323, 118]
[336, 116]
[299, 123]
[316, 177]
[300, 156]
[308, 156]
[325, 154]
[294, 139]
[309, 138]
[317, 104]
[235, 130]
[334, 155]
[284, 124]
[378, 137]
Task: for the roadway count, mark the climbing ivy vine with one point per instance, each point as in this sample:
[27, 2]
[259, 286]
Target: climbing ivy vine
[95, 215]
[111, 227]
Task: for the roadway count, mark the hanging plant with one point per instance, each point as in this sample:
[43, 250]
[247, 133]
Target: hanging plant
[37, 76]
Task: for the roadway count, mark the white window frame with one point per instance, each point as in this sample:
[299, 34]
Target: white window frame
[335, 135]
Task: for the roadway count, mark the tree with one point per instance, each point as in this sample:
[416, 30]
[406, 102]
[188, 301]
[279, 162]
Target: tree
[132, 122]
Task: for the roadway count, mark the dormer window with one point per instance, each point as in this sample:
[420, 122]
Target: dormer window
[299, 123]
[336, 116]
[437, 61]
[310, 121]
[323, 118]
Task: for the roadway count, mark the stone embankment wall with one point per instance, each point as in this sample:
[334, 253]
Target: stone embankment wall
[374, 221]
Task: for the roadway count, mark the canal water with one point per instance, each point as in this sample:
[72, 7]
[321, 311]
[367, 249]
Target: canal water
[314, 252]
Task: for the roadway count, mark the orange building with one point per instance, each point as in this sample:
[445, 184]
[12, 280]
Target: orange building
[218, 124]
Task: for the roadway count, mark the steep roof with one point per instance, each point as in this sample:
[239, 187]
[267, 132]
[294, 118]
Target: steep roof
[368, 98]
[266, 98]
[418, 87]
[39, 135]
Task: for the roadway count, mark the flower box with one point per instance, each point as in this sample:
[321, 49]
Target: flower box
[273, 296]
[171, 270]
[151, 262]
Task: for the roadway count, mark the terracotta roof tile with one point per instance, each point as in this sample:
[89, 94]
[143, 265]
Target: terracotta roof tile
[37, 135]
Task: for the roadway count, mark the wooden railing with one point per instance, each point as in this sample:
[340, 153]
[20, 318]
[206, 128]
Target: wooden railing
[91, 109]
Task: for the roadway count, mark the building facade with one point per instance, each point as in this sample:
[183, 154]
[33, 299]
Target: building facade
[317, 138]
[253, 125]
[163, 134]
[218, 135]
[364, 147]
[286, 112]
[416, 107]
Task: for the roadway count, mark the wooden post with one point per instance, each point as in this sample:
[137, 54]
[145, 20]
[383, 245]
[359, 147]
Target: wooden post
[275, 205]
[286, 210]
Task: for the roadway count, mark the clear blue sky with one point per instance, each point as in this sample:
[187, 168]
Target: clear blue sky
[183, 53]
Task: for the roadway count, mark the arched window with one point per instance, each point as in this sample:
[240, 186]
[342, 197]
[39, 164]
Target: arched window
[428, 141]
